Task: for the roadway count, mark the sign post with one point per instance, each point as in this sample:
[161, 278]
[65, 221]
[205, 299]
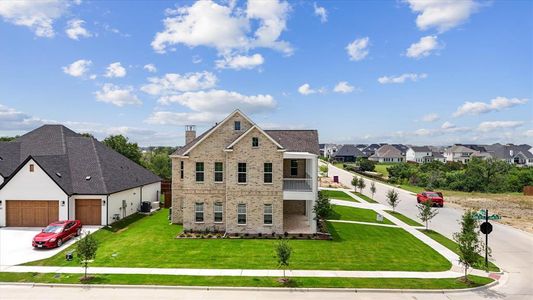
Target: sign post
[487, 240]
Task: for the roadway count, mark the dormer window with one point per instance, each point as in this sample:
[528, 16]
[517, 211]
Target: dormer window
[255, 142]
[237, 125]
[32, 168]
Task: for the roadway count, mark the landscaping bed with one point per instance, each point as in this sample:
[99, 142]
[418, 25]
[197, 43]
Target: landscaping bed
[151, 242]
[241, 281]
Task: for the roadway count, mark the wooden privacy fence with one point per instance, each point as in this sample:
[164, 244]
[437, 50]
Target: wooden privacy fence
[166, 191]
[528, 190]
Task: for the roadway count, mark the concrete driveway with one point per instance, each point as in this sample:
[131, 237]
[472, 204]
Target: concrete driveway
[15, 245]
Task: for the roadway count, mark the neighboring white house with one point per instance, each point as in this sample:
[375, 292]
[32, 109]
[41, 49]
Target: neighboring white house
[419, 154]
[388, 154]
[53, 173]
[459, 153]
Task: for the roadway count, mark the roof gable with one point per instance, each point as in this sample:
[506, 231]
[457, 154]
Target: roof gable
[254, 127]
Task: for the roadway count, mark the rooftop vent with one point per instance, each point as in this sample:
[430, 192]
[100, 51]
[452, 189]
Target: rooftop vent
[58, 174]
[88, 178]
[1, 158]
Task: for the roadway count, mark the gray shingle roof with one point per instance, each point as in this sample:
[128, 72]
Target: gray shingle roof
[388, 151]
[504, 151]
[349, 150]
[69, 158]
[296, 140]
[420, 148]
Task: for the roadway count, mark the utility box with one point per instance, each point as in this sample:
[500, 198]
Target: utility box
[336, 179]
[379, 217]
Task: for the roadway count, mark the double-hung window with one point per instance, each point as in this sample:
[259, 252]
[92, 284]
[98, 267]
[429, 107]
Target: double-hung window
[255, 142]
[199, 172]
[241, 214]
[267, 173]
[219, 172]
[218, 212]
[182, 171]
[241, 173]
[237, 125]
[199, 212]
[294, 167]
[267, 214]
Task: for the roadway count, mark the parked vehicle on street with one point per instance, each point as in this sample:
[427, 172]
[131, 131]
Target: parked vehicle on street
[436, 198]
[55, 234]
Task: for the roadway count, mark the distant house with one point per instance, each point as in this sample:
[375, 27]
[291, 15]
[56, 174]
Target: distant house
[520, 155]
[53, 173]
[459, 153]
[327, 150]
[371, 149]
[388, 154]
[419, 154]
[361, 146]
[348, 153]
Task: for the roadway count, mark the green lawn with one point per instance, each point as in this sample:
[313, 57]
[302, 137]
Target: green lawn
[412, 188]
[404, 219]
[446, 242]
[366, 198]
[150, 242]
[339, 195]
[355, 214]
[382, 169]
[237, 281]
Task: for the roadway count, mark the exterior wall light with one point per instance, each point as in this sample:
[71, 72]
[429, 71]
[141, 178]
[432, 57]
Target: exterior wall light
[63, 203]
[103, 203]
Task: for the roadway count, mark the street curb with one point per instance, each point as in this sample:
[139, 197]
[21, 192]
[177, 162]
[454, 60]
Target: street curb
[258, 289]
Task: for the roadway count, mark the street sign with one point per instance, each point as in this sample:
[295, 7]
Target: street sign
[481, 215]
[486, 228]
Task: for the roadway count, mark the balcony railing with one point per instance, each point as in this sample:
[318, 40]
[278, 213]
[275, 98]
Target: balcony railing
[298, 184]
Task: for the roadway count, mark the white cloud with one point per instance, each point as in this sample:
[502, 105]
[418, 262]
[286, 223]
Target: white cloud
[118, 96]
[423, 48]
[442, 14]
[321, 12]
[77, 68]
[38, 16]
[447, 125]
[305, 89]
[183, 118]
[150, 68]
[239, 62]
[75, 29]
[226, 28]
[496, 104]
[358, 49]
[496, 125]
[12, 120]
[115, 70]
[343, 87]
[432, 117]
[221, 101]
[402, 78]
[173, 83]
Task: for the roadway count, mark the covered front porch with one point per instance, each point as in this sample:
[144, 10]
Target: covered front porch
[298, 217]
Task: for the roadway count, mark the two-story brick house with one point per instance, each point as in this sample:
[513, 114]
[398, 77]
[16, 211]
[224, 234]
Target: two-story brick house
[238, 178]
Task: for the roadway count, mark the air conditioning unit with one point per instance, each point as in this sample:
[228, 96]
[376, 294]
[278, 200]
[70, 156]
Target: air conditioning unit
[146, 206]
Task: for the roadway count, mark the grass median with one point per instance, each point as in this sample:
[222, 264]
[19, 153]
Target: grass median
[241, 281]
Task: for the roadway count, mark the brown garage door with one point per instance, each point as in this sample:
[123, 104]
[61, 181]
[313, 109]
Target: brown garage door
[89, 211]
[31, 213]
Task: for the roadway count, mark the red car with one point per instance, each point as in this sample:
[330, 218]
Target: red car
[436, 198]
[55, 234]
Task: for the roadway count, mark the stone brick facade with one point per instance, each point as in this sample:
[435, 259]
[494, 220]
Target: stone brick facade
[186, 191]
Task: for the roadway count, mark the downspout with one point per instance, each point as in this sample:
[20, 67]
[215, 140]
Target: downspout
[107, 210]
[141, 198]
[68, 207]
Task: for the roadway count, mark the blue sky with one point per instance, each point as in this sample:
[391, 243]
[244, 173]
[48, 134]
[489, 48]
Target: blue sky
[430, 72]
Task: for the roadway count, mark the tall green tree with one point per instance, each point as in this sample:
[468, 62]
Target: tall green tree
[468, 241]
[355, 183]
[8, 138]
[122, 145]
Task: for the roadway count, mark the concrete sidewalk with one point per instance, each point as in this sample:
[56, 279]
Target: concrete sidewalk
[238, 272]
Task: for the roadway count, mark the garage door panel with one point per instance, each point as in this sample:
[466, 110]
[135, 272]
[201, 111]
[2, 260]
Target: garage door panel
[31, 213]
[89, 211]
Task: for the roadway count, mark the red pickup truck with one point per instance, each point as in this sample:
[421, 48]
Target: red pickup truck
[436, 198]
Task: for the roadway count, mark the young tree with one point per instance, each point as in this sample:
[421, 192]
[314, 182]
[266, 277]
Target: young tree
[355, 183]
[393, 199]
[372, 188]
[361, 184]
[426, 212]
[283, 251]
[322, 207]
[468, 241]
[86, 249]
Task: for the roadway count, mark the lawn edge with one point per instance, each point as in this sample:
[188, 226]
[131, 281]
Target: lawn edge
[226, 288]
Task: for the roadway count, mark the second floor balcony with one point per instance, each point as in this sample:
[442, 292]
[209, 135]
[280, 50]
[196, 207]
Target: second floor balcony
[300, 176]
[298, 184]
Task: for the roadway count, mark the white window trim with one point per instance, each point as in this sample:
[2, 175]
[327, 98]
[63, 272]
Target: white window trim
[215, 172]
[197, 211]
[245, 173]
[196, 172]
[271, 173]
[245, 214]
[215, 212]
[271, 214]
